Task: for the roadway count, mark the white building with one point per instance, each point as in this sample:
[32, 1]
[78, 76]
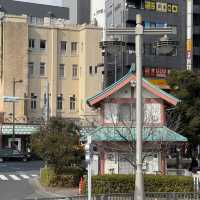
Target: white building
[97, 12]
[79, 10]
[47, 2]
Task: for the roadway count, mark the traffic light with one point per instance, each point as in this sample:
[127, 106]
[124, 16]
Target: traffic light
[89, 150]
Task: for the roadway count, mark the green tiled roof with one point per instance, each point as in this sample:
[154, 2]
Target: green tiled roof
[24, 129]
[119, 134]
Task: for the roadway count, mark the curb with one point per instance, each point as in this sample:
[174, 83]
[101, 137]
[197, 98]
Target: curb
[56, 192]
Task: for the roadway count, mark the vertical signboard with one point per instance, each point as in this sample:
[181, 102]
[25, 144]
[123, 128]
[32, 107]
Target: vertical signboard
[189, 45]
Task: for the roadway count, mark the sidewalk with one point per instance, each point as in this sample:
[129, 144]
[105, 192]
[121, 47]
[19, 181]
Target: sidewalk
[53, 192]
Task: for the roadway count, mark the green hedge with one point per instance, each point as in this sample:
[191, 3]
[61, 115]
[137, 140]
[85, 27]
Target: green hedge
[125, 184]
[69, 178]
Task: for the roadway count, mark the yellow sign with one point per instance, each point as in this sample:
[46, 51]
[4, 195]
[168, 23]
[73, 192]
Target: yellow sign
[147, 5]
[189, 45]
[174, 8]
[169, 7]
[153, 5]
[162, 83]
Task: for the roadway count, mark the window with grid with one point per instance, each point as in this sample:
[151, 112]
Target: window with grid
[74, 71]
[42, 69]
[72, 102]
[59, 102]
[74, 49]
[63, 47]
[30, 69]
[61, 71]
[124, 112]
[33, 101]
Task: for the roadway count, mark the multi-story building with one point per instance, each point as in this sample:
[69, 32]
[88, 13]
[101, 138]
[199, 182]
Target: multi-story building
[155, 13]
[76, 11]
[97, 12]
[80, 10]
[34, 55]
[193, 34]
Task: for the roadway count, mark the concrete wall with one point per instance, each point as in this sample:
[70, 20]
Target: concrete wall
[15, 58]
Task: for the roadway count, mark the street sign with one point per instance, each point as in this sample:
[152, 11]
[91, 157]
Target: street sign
[12, 98]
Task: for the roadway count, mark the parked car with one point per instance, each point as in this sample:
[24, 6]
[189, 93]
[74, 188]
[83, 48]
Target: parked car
[13, 154]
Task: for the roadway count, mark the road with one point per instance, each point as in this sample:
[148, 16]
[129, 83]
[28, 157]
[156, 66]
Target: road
[16, 180]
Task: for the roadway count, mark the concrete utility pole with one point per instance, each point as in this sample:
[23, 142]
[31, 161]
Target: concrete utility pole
[139, 182]
[164, 45]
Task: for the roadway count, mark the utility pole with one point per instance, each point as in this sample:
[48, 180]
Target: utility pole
[13, 105]
[139, 180]
[13, 109]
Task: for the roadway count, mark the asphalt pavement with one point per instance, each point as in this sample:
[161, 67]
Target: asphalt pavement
[19, 181]
[16, 179]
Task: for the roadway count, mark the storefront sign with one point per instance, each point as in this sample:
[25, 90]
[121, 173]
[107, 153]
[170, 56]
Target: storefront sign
[156, 72]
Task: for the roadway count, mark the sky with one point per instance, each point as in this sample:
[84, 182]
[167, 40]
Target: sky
[50, 2]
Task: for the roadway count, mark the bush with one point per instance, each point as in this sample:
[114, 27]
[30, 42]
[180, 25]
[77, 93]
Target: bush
[46, 174]
[68, 178]
[125, 184]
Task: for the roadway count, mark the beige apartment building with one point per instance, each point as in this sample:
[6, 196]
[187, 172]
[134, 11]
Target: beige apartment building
[48, 61]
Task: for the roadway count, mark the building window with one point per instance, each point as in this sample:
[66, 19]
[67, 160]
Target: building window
[30, 69]
[42, 44]
[31, 43]
[33, 101]
[63, 46]
[90, 69]
[72, 102]
[42, 69]
[124, 112]
[74, 71]
[45, 99]
[95, 69]
[74, 48]
[59, 102]
[61, 71]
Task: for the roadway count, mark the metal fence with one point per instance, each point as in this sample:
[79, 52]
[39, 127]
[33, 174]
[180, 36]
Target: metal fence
[149, 196]
[130, 196]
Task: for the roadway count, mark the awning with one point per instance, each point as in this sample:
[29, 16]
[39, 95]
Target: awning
[22, 129]
[121, 134]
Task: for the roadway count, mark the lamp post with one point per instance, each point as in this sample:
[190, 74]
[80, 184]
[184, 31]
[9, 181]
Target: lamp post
[13, 105]
[139, 31]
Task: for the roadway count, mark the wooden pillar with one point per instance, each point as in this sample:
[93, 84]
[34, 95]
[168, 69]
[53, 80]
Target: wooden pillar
[163, 162]
[102, 164]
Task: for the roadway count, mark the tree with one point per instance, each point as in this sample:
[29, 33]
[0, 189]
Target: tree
[185, 85]
[58, 144]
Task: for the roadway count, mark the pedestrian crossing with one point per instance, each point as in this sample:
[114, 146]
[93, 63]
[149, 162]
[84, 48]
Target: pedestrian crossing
[16, 177]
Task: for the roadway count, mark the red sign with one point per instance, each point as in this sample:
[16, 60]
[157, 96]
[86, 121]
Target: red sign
[159, 72]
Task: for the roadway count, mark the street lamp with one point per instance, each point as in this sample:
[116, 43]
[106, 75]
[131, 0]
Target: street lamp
[139, 31]
[13, 105]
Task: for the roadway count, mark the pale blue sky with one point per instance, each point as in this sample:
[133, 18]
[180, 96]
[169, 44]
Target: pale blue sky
[50, 2]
